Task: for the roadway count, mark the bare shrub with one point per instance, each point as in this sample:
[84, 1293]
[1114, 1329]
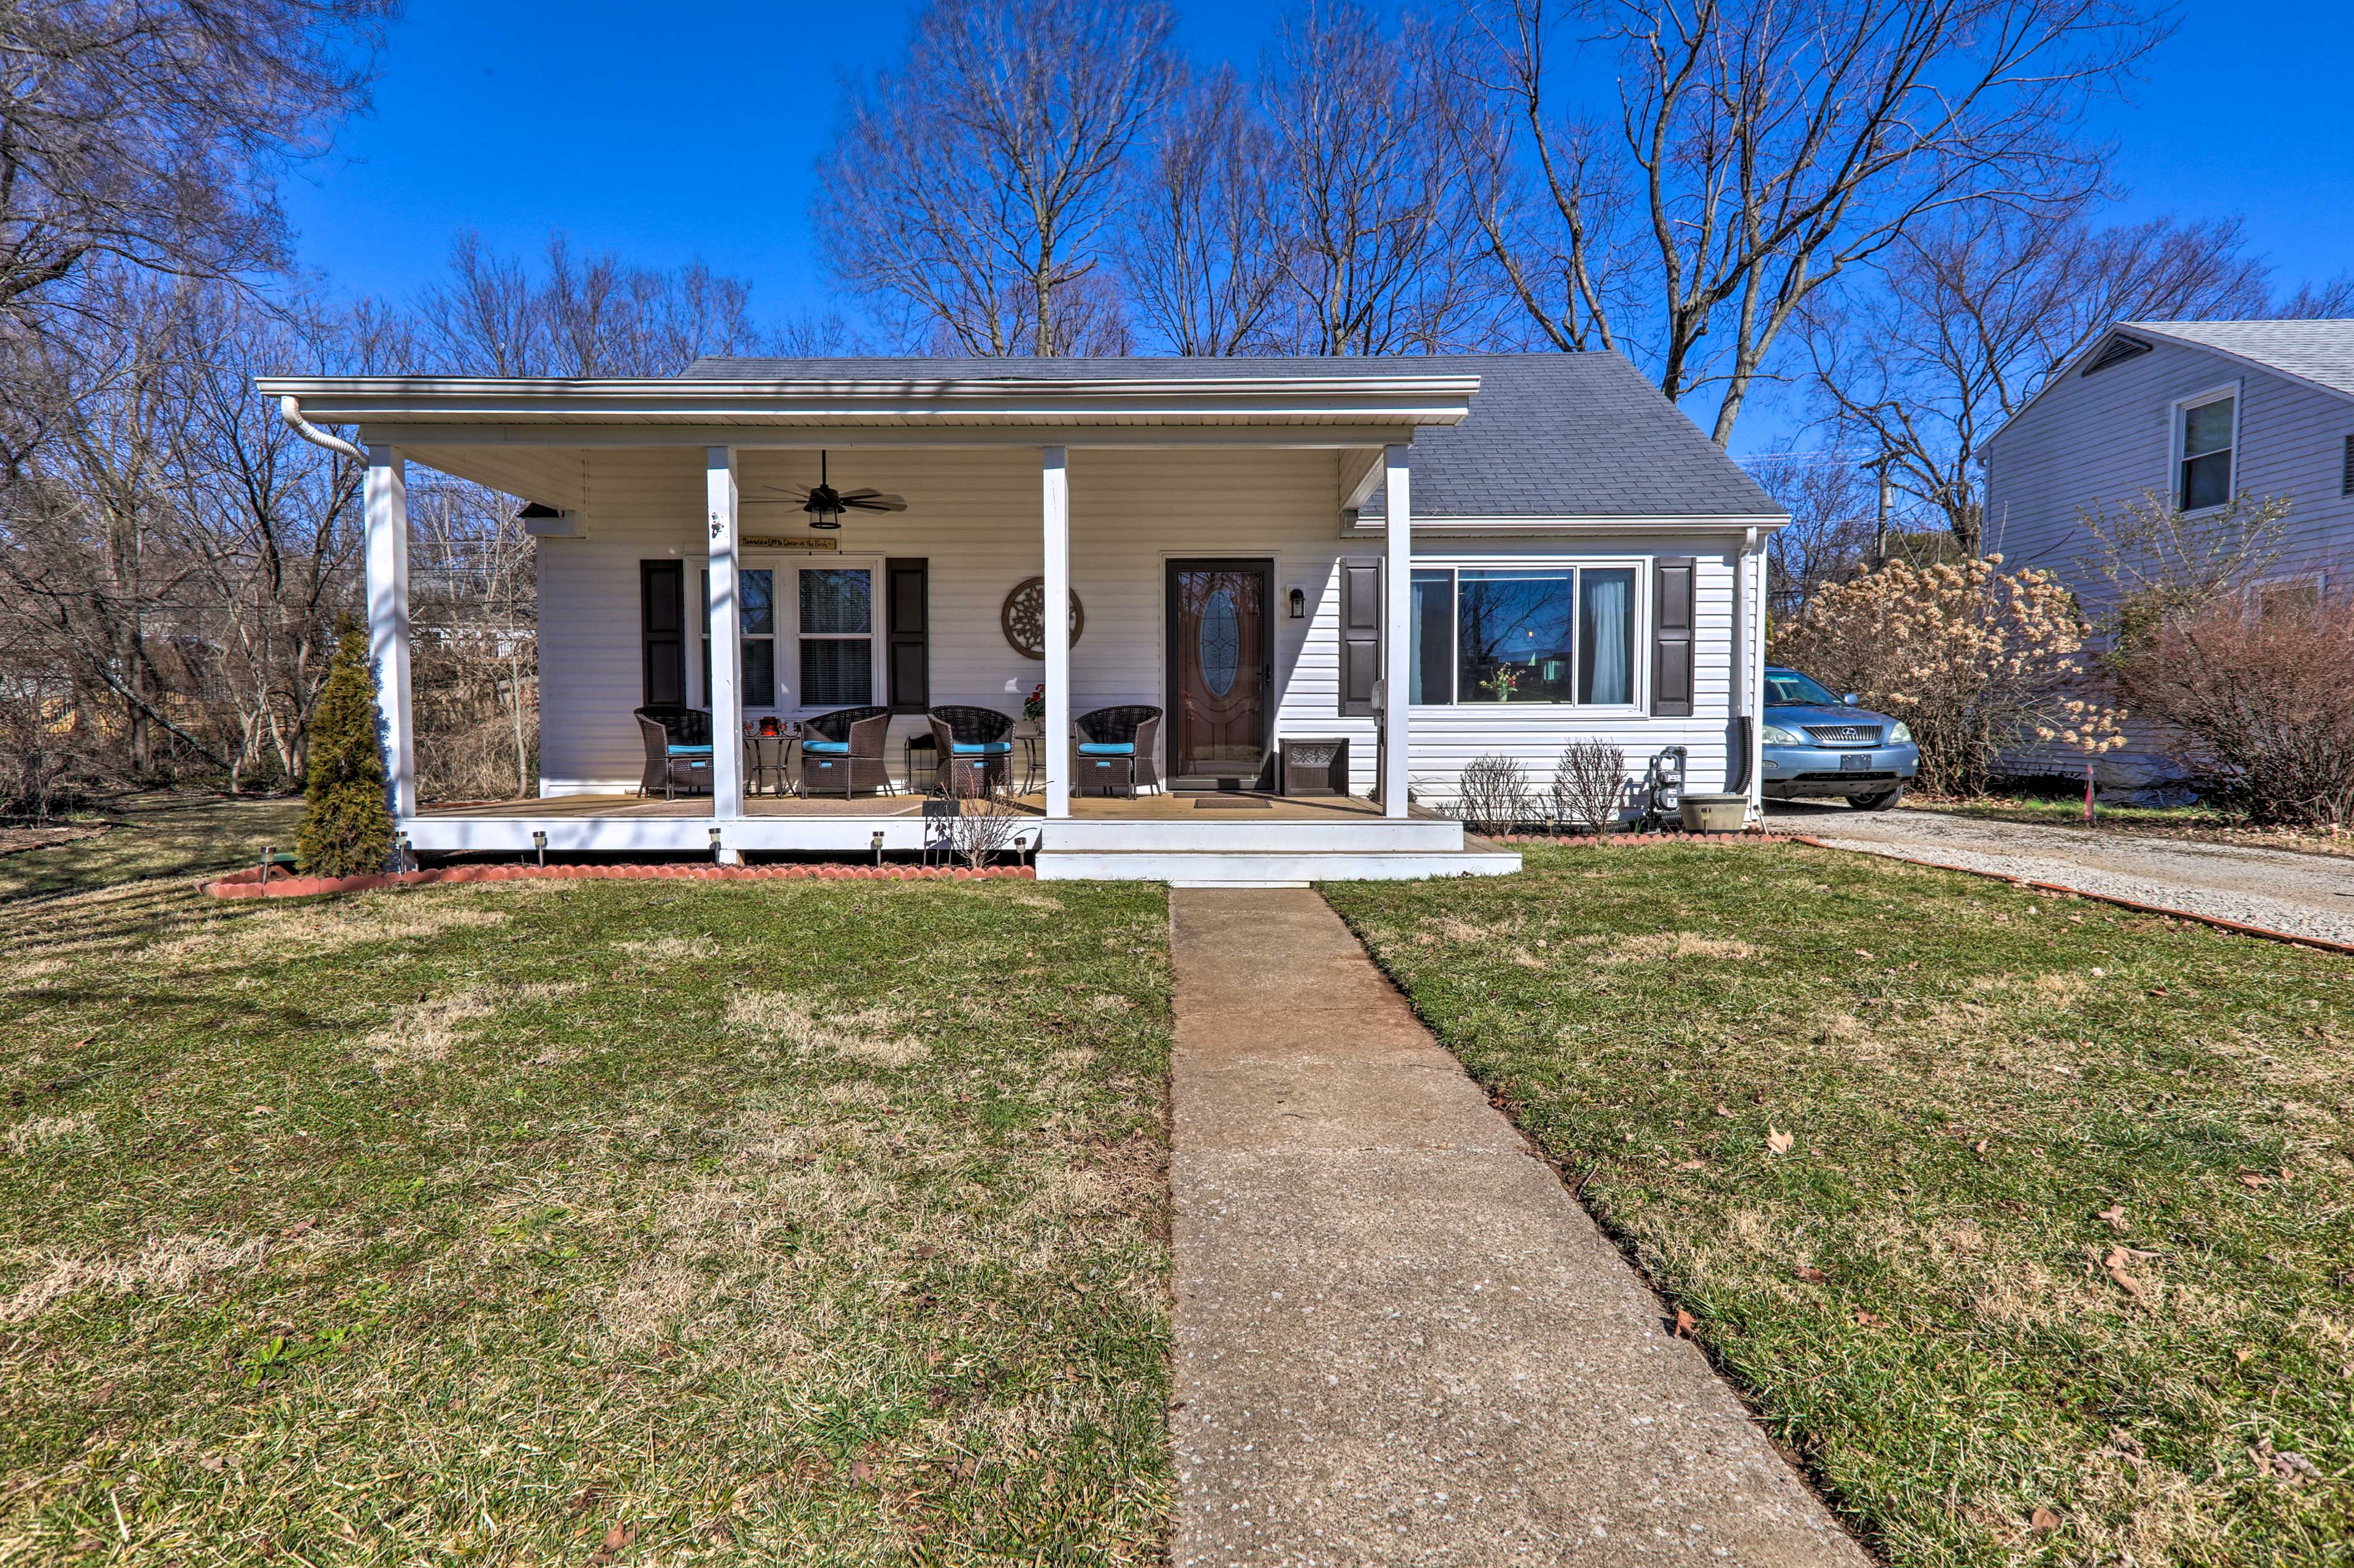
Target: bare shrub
[979, 821]
[1492, 796]
[1976, 660]
[2261, 705]
[1589, 786]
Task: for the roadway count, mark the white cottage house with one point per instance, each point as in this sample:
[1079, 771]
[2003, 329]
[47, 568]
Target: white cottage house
[1400, 564]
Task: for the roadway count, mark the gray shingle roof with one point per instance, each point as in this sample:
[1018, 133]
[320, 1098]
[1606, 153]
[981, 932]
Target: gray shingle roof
[1549, 435]
[2319, 352]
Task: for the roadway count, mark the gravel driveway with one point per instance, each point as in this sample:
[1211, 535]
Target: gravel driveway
[2309, 896]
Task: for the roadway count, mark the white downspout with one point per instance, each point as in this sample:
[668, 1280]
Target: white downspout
[290, 410]
[1752, 640]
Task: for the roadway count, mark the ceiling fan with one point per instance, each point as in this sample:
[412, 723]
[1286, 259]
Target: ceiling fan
[826, 505]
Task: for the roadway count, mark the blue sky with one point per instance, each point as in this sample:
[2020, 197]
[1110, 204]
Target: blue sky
[665, 141]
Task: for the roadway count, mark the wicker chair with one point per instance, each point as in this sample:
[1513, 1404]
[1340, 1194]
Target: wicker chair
[974, 745]
[843, 750]
[1132, 732]
[678, 749]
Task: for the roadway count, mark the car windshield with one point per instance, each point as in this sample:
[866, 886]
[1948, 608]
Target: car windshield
[1787, 688]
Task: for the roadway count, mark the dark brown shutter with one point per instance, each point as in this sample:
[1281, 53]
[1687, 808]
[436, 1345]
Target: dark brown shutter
[2345, 479]
[1361, 635]
[909, 623]
[1671, 637]
[662, 623]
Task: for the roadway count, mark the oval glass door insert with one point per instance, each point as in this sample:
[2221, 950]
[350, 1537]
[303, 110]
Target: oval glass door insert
[1222, 643]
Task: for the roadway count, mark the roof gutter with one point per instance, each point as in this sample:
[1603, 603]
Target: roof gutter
[290, 409]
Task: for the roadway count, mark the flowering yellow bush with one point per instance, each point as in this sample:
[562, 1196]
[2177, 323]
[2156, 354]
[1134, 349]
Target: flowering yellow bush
[1977, 661]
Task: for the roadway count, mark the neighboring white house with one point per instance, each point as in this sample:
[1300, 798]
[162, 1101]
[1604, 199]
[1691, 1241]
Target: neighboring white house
[1433, 558]
[2197, 413]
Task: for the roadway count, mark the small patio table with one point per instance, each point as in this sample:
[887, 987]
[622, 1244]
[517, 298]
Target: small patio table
[770, 758]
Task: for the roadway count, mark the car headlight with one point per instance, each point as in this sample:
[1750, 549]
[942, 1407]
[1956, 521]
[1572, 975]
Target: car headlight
[1900, 734]
[1776, 735]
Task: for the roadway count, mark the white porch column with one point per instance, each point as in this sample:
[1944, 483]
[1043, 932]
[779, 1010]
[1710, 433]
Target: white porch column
[726, 662]
[1055, 627]
[386, 505]
[1397, 617]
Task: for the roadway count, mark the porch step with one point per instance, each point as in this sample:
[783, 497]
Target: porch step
[1268, 868]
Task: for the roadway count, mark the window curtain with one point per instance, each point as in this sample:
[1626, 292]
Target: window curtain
[1607, 628]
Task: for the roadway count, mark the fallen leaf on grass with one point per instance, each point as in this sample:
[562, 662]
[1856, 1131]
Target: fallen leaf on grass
[1685, 1323]
[1861, 954]
[1691, 1164]
[1779, 1142]
[2043, 1521]
[1868, 1319]
[2254, 1181]
[1811, 1274]
[1723, 1110]
[860, 1471]
[1979, 1147]
[2115, 1214]
[2115, 1264]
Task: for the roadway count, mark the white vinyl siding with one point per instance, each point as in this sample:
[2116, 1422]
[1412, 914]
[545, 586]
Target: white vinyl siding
[973, 513]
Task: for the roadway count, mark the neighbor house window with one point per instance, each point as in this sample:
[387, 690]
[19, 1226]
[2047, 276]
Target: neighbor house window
[756, 632]
[837, 637]
[1518, 634]
[2204, 476]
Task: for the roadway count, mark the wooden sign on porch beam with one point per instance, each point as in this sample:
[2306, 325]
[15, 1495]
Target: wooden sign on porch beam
[792, 544]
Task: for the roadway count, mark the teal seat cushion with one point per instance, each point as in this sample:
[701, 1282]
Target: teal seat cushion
[688, 750]
[1107, 748]
[827, 747]
[981, 748]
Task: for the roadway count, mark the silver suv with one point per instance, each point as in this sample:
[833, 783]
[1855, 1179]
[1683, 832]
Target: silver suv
[1819, 746]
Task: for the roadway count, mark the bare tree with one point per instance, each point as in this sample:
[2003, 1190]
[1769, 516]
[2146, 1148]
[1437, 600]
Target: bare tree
[145, 130]
[1759, 150]
[1974, 311]
[1828, 497]
[1377, 258]
[1204, 255]
[580, 315]
[972, 191]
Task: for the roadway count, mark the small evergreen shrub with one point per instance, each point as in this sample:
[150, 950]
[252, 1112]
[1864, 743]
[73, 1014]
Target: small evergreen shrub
[347, 829]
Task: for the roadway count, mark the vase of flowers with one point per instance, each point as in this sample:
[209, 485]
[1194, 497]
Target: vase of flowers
[1033, 710]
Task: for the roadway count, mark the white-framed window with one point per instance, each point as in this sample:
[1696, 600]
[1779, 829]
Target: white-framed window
[756, 632]
[2286, 598]
[1562, 633]
[807, 633]
[834, 627]
[2206, 440]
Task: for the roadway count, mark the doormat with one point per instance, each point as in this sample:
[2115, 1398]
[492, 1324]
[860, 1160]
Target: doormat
[1232, 803]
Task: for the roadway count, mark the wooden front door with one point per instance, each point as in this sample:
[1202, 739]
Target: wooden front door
[1221, 663]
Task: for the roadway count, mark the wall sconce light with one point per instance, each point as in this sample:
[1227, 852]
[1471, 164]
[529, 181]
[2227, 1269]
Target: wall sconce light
[539, 843]
[1298, 604]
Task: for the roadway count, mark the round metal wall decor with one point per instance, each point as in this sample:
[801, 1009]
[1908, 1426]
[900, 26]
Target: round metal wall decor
[1023, 618]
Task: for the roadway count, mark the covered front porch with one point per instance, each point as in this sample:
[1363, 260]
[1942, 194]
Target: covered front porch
[657, 495]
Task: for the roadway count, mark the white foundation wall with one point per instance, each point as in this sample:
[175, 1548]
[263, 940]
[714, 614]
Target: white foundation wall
[974, 515]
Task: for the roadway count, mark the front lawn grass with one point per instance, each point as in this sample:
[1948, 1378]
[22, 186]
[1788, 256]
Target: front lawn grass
[2064, 1219]
[584, 1224]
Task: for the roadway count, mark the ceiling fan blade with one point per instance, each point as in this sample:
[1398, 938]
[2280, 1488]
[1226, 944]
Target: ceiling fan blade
[792, 492]
[875, 501]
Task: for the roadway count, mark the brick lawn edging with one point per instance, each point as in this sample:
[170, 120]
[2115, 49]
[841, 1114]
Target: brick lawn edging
[1589, 841]
[250, 883]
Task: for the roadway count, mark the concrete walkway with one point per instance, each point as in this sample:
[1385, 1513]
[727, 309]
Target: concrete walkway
[1399, 1340]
